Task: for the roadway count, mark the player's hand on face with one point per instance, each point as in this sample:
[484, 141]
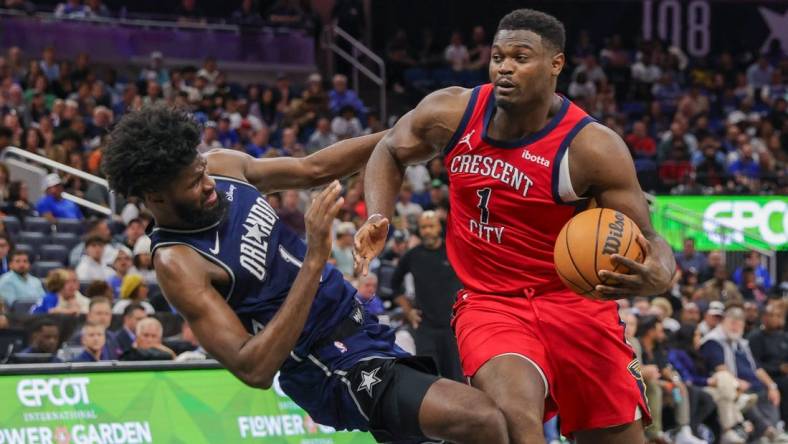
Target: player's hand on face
[320, 218]
[647, 279]
[369, 242]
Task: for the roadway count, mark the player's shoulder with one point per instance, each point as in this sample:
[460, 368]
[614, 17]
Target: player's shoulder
[177, 262]
[443, 108]
[596, 142]
[453, 96]
[227, 163]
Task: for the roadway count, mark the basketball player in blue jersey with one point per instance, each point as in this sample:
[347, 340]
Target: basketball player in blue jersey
[260, 300]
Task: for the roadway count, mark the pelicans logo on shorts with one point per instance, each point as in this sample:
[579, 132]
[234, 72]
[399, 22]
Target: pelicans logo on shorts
[634, 370]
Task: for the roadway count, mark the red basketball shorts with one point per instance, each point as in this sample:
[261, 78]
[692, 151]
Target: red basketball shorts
[592, 376]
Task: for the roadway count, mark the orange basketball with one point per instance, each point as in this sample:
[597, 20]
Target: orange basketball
[585, 245]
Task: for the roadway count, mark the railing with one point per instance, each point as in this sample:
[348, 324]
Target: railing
[41, 160]
[725, 232]
[335, 34]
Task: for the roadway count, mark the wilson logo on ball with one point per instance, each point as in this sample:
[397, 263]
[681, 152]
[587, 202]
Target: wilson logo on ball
[613, 241]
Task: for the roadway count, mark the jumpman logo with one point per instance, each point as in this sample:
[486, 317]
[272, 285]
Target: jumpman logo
[466, 139]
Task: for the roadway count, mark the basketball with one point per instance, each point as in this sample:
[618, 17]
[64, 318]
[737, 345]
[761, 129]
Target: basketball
[585, 246]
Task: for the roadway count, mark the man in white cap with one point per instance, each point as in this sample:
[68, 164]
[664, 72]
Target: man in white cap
[712, 317]
[53, 206]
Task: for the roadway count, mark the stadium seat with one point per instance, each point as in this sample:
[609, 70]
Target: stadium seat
[32, 238]
[42, 268]
[21, 307]
[28, 249]
[68, 240]
[11, 340]
[12, 224]
[38, 225]
[385, 274]
[70, 226]
[53, 252]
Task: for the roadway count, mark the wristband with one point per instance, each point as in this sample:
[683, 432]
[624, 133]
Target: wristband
[373, 215]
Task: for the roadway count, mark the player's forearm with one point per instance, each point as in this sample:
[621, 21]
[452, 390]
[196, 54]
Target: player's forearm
[342, 158]
[664, 254]
[266, 351]
[383, 181]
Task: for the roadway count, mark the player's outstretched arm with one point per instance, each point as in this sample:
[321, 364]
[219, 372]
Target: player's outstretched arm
[186, 282]
[600, 166]
[418, 136]
[336, 161]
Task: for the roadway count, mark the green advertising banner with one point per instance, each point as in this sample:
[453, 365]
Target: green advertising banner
[172, 406]
[723, 222]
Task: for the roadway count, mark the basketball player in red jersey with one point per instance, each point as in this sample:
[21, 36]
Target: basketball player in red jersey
[522, 161]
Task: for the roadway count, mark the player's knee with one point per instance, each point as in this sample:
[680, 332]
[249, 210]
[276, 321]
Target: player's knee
[486, 422]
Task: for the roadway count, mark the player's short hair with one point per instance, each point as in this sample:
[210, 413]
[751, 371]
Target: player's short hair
[148, 148]
[545, 25]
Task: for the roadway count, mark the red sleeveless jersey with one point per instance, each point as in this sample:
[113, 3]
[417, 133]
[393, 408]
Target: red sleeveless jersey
[506, 211]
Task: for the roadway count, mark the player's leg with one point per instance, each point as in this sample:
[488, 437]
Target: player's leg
[458, 413]
[407, 403]
[631, 433]
[518, 388]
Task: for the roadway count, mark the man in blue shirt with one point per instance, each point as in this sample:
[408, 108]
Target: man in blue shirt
[762, 277]
[724, 349]
[93, 340]
[18, 284]
[53, 206]
[341, 96]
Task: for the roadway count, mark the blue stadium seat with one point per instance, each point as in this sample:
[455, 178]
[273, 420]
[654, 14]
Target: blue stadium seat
[38, 225]
[12, 224]
[70, 226]
[42, 268]
[32, 238]
[68, 240]
[54, 252]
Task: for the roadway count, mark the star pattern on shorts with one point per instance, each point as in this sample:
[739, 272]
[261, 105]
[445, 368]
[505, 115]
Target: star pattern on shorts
[369, 380]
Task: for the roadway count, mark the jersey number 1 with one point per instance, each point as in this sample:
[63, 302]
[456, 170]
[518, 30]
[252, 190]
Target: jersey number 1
[484, 200]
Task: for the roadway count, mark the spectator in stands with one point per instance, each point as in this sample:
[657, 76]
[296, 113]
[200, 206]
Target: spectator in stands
[456, 54]
[99, 313]
[5, 248]
[20, 5]
[714, 259]
[290, 213]
[134, 230]
[155, 70]
[322, 137]
[724, 349]
[342, 251]
[346, 125]
[91, 267]
[712, 317]
[189, 12]
[286, 13]
[63, 295]
[48, 66]
[44, 338]
[53, 206]
[18, 204]
[769, 346]
[396, 248]
[405, 207]
[98, 9]
[398, 60]
[72, 9]
[591, 68]
[663, 310]
[583, 91]
[94, 340]
[125, 337]
[290, 145]
[259, 146]
[341, 96]
[750, 289]
[683, 355]
[762, 276]
[142, 260]
[225, 134]
[18, 284]
[640, 143]
[148, 345]
[479, 54]
[745, 166]
[690, 314]
[690, 258]
[720, 288]
[367, 294]
[133, 290]
[122, 266]
[436, 286]
[752, 317]
[759, 74]
[248, 15]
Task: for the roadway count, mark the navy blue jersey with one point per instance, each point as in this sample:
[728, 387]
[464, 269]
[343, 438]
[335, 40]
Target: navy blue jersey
[262, 257]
